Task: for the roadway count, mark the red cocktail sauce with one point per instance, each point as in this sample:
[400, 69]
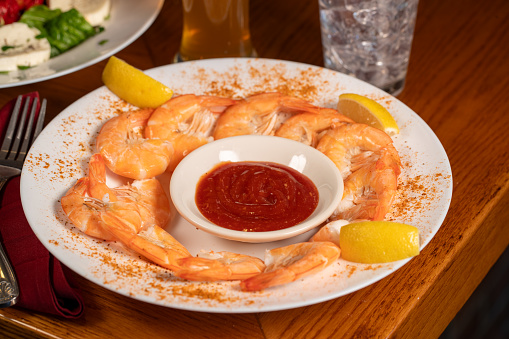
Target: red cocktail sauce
[255, 196]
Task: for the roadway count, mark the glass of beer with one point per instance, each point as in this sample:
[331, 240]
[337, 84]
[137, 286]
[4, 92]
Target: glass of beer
[215, 29]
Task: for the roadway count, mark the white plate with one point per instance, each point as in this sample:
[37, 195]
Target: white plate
[61, 153]
[305, 159]
[128, 20]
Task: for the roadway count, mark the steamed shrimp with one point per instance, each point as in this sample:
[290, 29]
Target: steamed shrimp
[121, 221]
[148, 194]
[129, 214]
[86, 213]
[369, 165]
[259, 114]
[127, 153]
[351, 146]
[309, 127]
[213, 266]
[187, 121]
[369, 191]
[289, 263]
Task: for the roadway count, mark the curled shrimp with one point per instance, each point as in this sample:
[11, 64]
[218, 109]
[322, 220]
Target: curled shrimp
[148, 194]
[369, 191]
[370, 167]
[127, 153]
[289, 263]
[213, 266]
[259, 114]
[351, 146]
[187, 121]
[86, 213]
[308, 127]
[121, 221]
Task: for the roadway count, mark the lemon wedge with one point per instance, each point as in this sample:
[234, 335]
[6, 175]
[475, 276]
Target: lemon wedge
[367, 111]
[134, 86]
[373, 242]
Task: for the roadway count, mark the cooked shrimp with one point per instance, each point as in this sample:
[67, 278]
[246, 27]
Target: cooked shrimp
[127, 153]
[351, 146]
[369, 191]
[329, 232]
[309, 127]
[289, 263]
[86, 213]
[126, 214]
[187, 121]
[213, 266]
[97, 179]
[148, 194]
[259, 114]
[152, 201]
[152, 242]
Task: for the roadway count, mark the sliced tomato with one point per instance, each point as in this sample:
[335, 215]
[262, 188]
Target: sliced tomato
[9, 11]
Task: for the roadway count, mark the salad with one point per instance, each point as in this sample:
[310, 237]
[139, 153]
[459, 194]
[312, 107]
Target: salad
[33, 31]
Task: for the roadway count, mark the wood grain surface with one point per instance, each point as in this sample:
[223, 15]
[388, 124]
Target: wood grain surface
[457, 82]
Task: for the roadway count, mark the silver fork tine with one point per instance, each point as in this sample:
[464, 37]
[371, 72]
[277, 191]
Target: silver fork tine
[6, 145]
[19, 131]
[40, 119]
[28, 132]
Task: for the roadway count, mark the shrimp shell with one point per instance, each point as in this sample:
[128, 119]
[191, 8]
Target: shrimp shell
[219, 266]
[309, 127]
[127, 153]
[369, 191]
[187, 121]
[289, 263]
[152, 242]
[148, 194]
[86, 213]
[352, 145]
[259, 114]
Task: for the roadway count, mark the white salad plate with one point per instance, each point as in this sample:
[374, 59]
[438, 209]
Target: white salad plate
[61, 153]
[263, 148]
[128, 20]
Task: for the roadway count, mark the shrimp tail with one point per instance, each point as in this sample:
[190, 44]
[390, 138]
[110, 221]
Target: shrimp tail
[152, 242]
[221, 266]
[267, 279]
[297, 105]
[289, 263]
[97, 175]
[216, 104]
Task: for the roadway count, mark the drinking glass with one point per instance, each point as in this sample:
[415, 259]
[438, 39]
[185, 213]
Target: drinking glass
[369, 39]
[215, 29]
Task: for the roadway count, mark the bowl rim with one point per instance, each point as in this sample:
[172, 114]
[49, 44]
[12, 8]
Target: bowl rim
[256, 237]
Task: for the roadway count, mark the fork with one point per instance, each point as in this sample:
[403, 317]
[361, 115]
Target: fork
[17, 141]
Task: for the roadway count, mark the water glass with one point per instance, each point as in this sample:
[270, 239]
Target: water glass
[369, 39]
[215, 29]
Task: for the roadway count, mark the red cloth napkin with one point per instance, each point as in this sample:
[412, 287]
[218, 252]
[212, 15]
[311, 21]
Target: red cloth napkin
[41, 277]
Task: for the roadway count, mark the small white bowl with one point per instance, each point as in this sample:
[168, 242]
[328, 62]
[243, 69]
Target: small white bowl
[305, 159]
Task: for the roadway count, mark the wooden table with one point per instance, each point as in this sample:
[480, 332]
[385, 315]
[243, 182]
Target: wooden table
[457, 82]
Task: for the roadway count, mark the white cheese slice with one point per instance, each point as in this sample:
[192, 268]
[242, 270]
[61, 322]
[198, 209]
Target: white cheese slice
[19, 47]
[94, 11]
[63, 5]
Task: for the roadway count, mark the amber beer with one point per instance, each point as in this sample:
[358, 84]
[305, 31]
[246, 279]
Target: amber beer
[215, 29]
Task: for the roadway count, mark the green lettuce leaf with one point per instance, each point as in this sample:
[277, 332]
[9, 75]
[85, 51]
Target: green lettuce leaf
[63, 30]
[38, 16]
